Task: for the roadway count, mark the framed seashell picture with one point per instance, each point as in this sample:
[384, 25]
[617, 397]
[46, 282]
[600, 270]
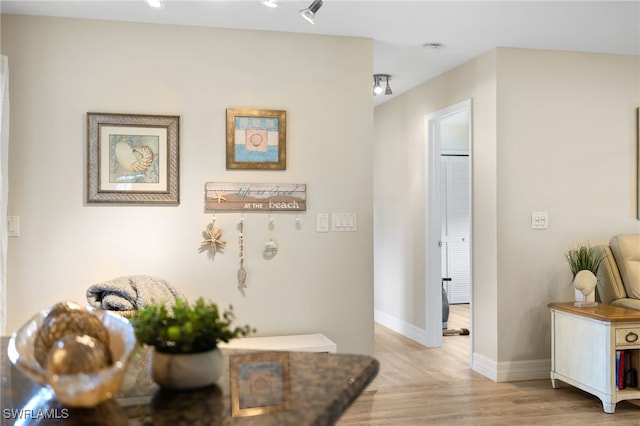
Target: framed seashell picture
[260, 383]
[132, 158]
[256, 139]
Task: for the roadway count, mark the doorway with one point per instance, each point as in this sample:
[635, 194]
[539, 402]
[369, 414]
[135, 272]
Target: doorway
[449, 212]
[455, 208]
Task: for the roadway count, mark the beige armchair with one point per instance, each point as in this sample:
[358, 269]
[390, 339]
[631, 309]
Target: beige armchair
[619, 272]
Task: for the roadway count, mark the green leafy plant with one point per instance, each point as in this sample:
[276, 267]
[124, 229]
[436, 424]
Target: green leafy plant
[186, 328]
[584, 257]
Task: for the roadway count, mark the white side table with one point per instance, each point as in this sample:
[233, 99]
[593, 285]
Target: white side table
[296, 343]
[584, 341]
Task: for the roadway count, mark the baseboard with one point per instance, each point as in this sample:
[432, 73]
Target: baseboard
[485, 366]
[508, 371]
[511, 371]
[399, 326]
[514, 371]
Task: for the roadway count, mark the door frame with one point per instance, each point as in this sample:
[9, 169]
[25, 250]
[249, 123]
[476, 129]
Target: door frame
[433, 263]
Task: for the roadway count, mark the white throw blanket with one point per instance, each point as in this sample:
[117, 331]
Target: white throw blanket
[132, 293]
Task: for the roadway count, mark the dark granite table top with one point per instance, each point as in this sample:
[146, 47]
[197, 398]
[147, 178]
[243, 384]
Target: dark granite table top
[320, 388]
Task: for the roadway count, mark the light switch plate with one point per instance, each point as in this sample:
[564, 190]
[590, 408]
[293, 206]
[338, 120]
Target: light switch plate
[539, 220]
[344, 222]
[13, 226]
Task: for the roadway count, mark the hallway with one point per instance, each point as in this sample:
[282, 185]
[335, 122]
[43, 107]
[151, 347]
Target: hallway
[417, 385]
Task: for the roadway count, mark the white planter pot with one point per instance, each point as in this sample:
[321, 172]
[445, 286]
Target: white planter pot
[186, 371]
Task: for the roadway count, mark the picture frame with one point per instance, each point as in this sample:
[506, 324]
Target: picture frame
[133, 158]
[260, 383]
[256, 139]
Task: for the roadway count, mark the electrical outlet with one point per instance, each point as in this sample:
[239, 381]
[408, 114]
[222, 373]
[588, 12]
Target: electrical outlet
[322, 222]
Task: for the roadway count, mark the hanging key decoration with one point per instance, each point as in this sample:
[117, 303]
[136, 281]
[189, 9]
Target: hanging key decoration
[242, 273]
[270, 247]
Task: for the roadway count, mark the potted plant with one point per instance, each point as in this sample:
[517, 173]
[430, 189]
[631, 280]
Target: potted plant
[185, 341]
[584, 262]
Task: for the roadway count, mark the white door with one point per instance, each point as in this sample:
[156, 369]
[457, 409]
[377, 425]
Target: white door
[455, 215]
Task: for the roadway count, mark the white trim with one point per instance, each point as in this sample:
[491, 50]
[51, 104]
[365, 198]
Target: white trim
[485, 366]
[512, 371]
[399, 326]
[433, 233]
[4, 187]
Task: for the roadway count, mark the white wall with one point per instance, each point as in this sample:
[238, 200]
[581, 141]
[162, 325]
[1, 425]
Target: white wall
[63, 68]
[399, 186]
[552, 131]
[566, 145]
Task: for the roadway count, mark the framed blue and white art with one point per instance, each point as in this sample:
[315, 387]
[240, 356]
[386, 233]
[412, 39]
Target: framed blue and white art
[256, 139]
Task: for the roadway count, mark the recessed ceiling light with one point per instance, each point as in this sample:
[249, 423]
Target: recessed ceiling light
[270, 3]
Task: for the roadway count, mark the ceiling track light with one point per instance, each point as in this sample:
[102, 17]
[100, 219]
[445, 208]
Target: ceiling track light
[377, 89]
[310, 13]
[433, 46]
[270, 3]
[378, 79]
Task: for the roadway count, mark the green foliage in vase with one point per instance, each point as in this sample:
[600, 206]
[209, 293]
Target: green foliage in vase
[186, 328]
[583, 258]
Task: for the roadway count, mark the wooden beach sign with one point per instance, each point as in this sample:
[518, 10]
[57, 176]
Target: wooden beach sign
[256, 196]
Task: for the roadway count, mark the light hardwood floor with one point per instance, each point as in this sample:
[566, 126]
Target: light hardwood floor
[435, 386]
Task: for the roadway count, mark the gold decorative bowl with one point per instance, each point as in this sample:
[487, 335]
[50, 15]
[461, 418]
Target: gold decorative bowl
[82, 389]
